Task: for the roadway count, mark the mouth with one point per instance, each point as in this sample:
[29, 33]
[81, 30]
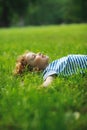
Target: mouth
[46, 57]
[43, 56]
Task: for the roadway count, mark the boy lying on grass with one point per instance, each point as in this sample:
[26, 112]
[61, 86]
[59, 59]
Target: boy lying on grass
[68, 65]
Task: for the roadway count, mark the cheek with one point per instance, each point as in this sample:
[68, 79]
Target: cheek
[38, 60]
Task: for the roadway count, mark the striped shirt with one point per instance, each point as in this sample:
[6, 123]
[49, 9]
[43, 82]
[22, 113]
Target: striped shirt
[66, 66]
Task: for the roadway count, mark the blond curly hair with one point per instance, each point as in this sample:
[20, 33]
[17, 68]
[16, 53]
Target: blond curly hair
[22, 65]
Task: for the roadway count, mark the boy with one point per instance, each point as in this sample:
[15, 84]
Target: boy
[68, 65]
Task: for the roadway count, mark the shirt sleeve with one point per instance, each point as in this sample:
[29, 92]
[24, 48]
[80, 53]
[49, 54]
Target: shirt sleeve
[49, 73]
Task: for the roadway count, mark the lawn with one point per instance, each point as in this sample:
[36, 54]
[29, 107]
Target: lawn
[61, 106]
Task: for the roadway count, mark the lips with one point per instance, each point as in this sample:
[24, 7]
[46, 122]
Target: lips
[43, 56]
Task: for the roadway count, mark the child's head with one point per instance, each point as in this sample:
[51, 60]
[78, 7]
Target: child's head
[32, 62]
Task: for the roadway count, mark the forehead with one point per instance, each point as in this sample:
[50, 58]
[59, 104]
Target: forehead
[30, 54]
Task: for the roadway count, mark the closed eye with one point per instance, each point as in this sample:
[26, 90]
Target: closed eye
[33, 57]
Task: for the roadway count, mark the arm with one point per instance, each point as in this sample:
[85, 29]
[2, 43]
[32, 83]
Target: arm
[48, 81]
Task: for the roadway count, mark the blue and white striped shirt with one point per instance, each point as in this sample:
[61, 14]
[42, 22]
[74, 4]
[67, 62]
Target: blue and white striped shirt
[65, 66]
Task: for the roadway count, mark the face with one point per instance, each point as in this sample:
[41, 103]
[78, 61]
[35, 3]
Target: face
[37, 60]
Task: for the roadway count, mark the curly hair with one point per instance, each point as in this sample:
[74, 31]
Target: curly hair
[22, 65]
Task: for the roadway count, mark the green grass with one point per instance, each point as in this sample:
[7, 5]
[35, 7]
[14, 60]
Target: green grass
[61, 106]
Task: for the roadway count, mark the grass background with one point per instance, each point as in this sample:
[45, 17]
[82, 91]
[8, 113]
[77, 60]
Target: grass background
[61, 106]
